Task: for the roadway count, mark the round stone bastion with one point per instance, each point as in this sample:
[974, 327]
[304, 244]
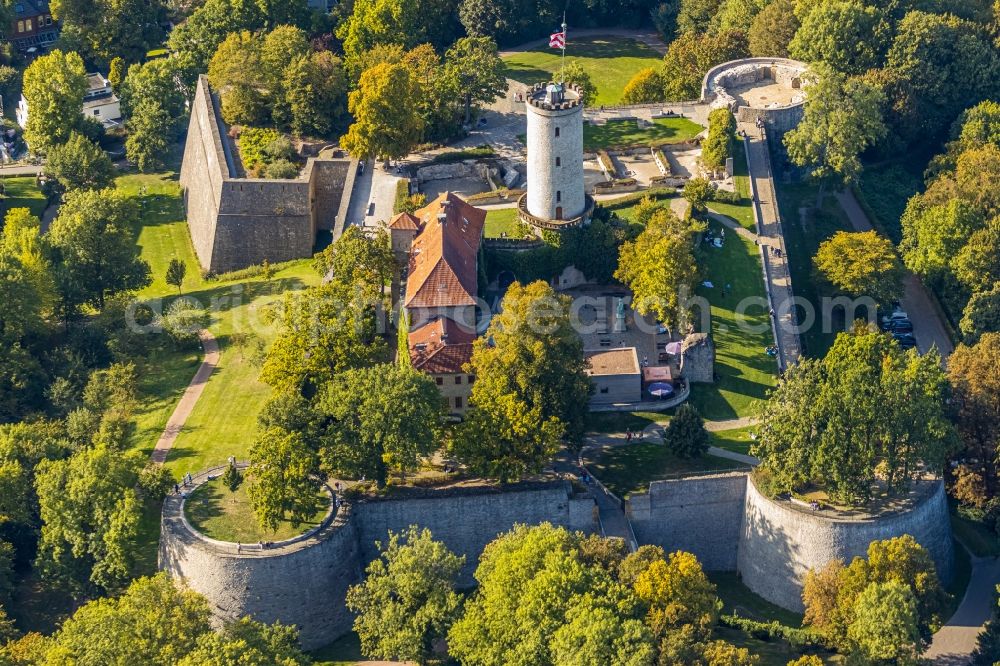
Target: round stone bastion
[291, 581]
[769, 89]
[781, 540]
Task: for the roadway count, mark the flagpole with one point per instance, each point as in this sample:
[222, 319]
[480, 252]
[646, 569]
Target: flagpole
[562, 71]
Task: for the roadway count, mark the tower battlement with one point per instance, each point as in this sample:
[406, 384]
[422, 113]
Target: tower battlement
[555, 96]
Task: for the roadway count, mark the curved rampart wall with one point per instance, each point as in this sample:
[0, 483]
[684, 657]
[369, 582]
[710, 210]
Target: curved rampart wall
[305, 583]
[779, 543]
[785, 71]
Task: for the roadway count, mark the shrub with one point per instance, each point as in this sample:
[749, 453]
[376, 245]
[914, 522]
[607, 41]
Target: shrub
[281, 169]
[254, 143]
[725, 196]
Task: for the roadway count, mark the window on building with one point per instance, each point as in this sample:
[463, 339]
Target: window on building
[20, 26]
[439, 380]
[472, 379]
[458, 403]
[28, 25]
[97, 112]
[558, 195]
[458, 379]
[557, 131]
[558, 161]
[604, 389]
[48, 20]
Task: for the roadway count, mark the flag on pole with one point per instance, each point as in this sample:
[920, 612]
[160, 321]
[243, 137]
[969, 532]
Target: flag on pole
[557, 40]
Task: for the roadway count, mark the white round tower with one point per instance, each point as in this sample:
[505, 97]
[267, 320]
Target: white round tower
[556, 194]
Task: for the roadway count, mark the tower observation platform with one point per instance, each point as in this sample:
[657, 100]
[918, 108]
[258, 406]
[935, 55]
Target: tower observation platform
[556, 196]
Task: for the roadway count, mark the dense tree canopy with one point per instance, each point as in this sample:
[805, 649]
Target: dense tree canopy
[861, 264]
[53, 87]
[867, 411]
[80, 164]
[382, 419]
[407, 601]
[95, 249]
[386, 124]
[843, 116]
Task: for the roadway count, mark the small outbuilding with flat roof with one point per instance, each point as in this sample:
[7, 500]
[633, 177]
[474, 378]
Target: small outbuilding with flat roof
[615, 374]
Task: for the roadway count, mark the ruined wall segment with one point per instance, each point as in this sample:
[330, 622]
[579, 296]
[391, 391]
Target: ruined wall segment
[237, 222]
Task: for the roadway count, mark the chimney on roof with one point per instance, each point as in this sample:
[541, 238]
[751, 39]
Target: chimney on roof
[442, 217]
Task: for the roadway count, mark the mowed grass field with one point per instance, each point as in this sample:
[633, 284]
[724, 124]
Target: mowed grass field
[21, 192]
[745, 371]
[224, 422]
[610, 62]
[627, 133]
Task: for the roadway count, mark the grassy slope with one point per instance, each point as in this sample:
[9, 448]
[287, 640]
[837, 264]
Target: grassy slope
[610, 62]
[224, 421]
[746, 372]
[21, 192]
[501, 220]
[743, 212]
[802, 239]
[628, 469]
[627, 133]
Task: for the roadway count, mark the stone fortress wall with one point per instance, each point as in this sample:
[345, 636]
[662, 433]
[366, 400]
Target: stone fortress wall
[236, 222]
[304, 582]
[723, 519]
[731, 526]
[700, 515]
[779, 543]
[720, 82]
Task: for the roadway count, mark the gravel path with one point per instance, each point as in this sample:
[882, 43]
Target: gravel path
[190, 398]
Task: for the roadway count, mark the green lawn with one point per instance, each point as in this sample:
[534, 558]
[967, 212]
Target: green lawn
[803, 235]
[742, 212]
[630, 468]
[502, 220]
[226, 515]
[627, 133]
[610, 61]
[615, 422]
[977, 537]
[224, 421]
[21, 192]
[746, 372]
[737, 441]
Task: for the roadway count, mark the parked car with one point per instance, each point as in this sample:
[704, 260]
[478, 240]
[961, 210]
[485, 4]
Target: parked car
[896, 315]
[901, 326]
[905, 340]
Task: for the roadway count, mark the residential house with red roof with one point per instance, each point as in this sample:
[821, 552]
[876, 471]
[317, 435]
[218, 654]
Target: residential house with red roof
[442, 289]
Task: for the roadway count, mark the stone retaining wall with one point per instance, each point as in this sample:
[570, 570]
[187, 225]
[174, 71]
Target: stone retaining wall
[780, 543]
[700, 515]
[305, 583]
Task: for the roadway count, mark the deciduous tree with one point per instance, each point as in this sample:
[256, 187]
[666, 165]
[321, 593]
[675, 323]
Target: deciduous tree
[475, 70]
[861, 264]
[885, 625]
[281, 482]
[246, 641]
[974, 372]
[847, 35]
[80, 164]
[90, 512]
[386, 123]
[660, 269]
[53, 87]
[382, 419]
[96, 252]
[407, 601]
[176, 270]
[772, 30]
[114, 630]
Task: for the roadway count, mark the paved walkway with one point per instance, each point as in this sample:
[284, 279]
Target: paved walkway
[954, 643]
[777, 273]
[190, 398]
[928, 327]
